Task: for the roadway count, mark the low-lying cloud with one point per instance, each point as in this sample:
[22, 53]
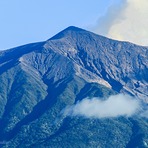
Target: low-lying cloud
[114, 106]
[126, 21]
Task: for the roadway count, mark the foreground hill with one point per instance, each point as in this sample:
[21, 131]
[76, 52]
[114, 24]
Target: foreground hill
[39, 80]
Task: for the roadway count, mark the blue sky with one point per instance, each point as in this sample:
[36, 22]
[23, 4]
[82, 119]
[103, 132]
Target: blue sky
[27, 21]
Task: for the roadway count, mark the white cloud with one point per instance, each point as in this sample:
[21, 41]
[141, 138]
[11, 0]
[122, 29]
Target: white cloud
[127, 21]
[114, 106]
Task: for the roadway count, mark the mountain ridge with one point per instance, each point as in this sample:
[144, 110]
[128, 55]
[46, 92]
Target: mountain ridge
[74, 49]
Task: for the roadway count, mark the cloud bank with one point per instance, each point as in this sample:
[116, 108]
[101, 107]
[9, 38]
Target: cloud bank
[126, 21]
[114, 106]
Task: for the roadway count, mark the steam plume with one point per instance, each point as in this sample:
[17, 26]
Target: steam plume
[127, 21]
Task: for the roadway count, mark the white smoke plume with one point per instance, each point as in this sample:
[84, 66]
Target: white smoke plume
[114, 106]
[127, 22]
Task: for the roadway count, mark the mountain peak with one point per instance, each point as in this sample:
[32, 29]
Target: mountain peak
[68, 30]
[73, 28]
